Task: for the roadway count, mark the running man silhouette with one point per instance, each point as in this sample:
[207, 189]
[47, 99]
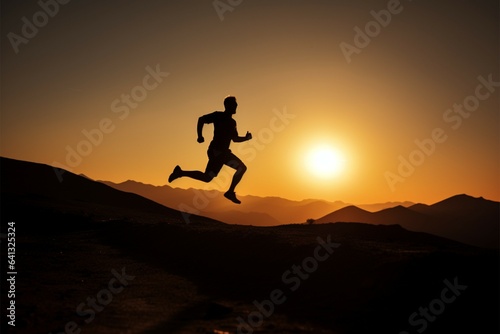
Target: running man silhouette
[218, 152]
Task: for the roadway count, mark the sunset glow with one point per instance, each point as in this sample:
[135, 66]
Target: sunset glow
[337, 112]
[325, 162]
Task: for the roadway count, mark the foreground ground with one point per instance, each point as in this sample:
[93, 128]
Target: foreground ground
[92, 259]
[215, 278]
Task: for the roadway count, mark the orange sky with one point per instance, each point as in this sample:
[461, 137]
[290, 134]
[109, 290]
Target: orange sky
[124, 82]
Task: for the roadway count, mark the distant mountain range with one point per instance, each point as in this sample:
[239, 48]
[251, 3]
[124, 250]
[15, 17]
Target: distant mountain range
[463, 218]
[474, 221]
[31, 189]
[254, 210]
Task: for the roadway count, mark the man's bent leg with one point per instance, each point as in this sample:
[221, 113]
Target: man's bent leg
[237, 177]
[236, 163]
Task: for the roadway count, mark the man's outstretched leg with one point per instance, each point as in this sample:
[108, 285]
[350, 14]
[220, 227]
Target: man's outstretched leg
[194, 174]
[240, 167]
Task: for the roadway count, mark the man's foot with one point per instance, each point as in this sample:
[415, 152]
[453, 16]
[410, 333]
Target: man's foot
[175, 174]
[231, 195]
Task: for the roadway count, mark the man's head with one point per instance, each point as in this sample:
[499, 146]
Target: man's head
[230, 104]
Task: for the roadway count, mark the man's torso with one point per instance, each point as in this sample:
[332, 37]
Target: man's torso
[224, 129]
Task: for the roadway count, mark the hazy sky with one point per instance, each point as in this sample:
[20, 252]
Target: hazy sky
[406, 92]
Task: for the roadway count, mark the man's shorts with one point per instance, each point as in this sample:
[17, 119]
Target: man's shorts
[218, 158]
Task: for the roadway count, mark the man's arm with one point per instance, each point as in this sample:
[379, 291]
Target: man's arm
[205, 119]
[199, 129]
[238, 139]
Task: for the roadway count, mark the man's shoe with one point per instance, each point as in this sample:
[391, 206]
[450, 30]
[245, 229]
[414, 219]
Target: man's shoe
[175, 174]
[231, 195]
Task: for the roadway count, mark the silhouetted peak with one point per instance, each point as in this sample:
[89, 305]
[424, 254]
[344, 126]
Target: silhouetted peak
[459, 200]
[398, 209]
[132, 182]
[352, 208]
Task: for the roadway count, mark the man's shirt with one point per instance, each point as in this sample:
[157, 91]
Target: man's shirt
[224, 129]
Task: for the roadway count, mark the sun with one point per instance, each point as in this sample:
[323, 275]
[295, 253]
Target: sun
[325, 162]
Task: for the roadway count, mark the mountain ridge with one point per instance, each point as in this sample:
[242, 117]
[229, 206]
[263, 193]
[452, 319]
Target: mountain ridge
[471, 220]
[467, 219]
[211, 203]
